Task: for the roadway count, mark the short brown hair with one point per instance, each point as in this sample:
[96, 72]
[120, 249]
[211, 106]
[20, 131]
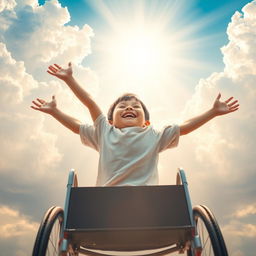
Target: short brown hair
[125, 97]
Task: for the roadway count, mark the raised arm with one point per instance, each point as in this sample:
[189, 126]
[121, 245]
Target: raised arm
[51, 109]
[218, 108]
[67, 76]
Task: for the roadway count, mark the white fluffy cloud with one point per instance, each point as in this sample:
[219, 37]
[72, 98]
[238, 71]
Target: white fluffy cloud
[15, 83]
[239, 53]
[33, 162]
[229, 137]
[18, 136]
[245, 211]
[7, 5]
[33, 37]
[16, 226]
[224, 149]
[13, 224]
[36, 35]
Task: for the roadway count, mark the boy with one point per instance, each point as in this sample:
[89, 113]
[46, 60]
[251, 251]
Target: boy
[127, 144]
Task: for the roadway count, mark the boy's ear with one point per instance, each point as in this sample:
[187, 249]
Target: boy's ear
[110, 121]
[147, 123]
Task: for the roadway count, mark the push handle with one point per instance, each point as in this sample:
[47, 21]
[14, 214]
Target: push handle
[182, 180]
[181, 177]
[72, 179]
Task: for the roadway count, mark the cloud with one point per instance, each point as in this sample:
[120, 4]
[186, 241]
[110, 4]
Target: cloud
[241, 237]
[245, 211]
[246, 230]
[34, 162]
[34, 35]
[223, 149]
[7, 5]
[17, 227]
[239, 53]
[15, 82]
[16, 86]
[229, 137]
[13, 224]
[37, 35]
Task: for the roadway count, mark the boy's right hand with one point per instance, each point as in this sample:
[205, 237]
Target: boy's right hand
[60, 72]
[44, 106]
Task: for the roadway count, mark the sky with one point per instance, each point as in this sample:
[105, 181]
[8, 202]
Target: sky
[176, 55]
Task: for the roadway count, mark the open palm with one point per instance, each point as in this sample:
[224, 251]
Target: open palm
[44, 106]
[60, 72]
[225, 107]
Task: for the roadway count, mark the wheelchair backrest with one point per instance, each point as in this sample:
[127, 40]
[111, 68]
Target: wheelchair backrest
[131, 207]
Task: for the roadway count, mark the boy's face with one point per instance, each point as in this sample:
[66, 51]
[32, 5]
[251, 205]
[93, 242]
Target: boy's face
[129, 113]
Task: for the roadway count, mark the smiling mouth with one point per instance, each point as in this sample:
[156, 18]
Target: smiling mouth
[129, 115]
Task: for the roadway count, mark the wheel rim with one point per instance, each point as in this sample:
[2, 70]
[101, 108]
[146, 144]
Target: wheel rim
[207, 249]
[54, 238]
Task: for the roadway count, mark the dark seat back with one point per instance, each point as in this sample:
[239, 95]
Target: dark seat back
[128, 218]
[127, 207]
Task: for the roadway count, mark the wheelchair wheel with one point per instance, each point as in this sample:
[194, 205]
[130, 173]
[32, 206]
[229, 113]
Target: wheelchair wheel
[48, 236]
[209, 233]
[218, 231]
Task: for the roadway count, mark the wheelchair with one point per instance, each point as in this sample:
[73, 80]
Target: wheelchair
[129, 220]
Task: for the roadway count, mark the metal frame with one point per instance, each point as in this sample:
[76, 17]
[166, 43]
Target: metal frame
[72, 181]
[181, 180]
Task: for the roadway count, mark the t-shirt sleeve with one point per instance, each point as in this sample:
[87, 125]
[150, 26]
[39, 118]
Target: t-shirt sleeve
[90, 134]
[169, 137]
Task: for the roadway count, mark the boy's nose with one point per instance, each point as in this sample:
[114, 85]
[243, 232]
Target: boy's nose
[129, 108]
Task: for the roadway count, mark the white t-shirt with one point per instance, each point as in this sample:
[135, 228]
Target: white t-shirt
[128, 156]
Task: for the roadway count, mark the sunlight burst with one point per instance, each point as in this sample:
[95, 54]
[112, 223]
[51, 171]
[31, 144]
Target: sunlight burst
[146, 46]
[138, 53]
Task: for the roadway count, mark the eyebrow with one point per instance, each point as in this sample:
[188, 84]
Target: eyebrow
[124, 101]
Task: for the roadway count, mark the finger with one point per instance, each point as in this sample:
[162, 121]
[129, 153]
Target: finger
[41, 101]
[232, 103]
[233, 110]
[235, 106]
[218, 97]
[51, 73]
[53, 69]
[228, 100]
[35, 108]
[39, 109]
[38, 105]
[59, 67]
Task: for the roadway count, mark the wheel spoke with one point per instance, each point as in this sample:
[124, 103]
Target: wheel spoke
[204, 236]
[202, 230]
[49, 237]
[53, 246]
[207, 233]
[204, 245]
[54, 238]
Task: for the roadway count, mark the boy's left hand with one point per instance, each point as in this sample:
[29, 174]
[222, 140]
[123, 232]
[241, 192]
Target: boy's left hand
[225, 107]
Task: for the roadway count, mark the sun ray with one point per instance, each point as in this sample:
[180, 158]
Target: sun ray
[146, 45]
